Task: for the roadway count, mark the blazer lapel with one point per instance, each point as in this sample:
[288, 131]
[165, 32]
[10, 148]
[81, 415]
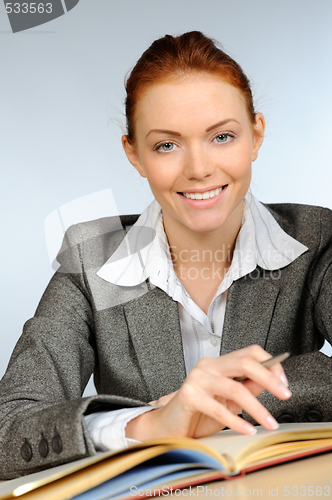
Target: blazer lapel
[154, 326]
[249, 310]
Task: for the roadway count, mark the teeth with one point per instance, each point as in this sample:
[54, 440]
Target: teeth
[203, 196]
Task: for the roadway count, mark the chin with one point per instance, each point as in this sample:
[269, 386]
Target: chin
[205, 227]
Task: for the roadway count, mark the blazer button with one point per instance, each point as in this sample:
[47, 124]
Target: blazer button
[26, 451]
[313, 416]
[285, 418]
[43, 447]
[57, 444]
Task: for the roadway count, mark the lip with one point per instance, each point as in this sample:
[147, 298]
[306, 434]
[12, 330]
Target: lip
[202, 204]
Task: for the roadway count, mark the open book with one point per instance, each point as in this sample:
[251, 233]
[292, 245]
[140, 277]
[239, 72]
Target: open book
[159, 465]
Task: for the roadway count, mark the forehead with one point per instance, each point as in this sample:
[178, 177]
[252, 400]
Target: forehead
[192, 97]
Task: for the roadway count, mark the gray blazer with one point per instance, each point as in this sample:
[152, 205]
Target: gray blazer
[135, 349]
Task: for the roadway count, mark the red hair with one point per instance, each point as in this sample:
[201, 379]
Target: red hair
[170, 57]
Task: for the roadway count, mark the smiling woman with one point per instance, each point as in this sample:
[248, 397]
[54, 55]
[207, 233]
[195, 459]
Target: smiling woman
[201, 178]
[172, 309]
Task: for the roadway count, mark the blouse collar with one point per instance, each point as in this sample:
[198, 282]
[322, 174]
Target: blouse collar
[144, 252]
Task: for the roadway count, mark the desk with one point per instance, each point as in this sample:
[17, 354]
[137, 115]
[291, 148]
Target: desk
[272, 482]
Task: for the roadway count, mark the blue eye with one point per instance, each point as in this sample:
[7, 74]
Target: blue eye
[222, 137]
[166, 146]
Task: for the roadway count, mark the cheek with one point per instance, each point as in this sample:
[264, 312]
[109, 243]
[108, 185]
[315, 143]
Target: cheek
[239, 163]
[237, 171]
[161, 174]
[157, 185]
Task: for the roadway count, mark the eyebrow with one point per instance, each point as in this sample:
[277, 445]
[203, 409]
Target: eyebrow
[220, 124]
[171, 132]
[161, 131]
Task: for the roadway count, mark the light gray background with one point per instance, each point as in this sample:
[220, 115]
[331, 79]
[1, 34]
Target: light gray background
[61, 112]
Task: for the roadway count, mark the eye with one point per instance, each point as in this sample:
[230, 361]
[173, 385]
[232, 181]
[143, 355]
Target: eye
[165, 147]
[223, 138]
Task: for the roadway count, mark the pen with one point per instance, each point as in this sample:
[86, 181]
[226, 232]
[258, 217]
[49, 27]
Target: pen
[268, 363]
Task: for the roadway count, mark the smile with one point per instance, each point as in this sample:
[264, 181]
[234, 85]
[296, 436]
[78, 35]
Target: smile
[205, 195]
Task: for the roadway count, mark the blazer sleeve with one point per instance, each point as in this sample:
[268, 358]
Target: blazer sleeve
[310, 374]
[41, 404]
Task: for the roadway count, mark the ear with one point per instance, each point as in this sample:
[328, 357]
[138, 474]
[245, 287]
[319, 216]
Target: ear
[132, 155]
[258, 134]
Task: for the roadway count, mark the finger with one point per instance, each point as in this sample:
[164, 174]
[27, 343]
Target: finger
[233, 407]
[277, 368]
[256, 389]
[230, 419]
[195, 399]
[243, 397]
[244, 365]
[279, 371]
[253, 387]
[272, 379]
[234, 364]
[254, 351]
[266, 378]
[207, 385]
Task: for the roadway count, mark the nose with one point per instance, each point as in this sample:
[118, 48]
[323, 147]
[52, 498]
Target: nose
[198, 165]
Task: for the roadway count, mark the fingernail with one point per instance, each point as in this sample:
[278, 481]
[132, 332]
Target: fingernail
[286, 392]
[272, 423]
[283, 379]
[249, 429]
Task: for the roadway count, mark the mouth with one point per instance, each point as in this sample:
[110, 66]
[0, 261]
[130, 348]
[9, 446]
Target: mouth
[204, 196]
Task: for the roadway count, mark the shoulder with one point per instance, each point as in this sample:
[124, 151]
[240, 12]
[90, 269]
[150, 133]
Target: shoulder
[311, 225]
[99, 231]
[92, 242]
[106, 226]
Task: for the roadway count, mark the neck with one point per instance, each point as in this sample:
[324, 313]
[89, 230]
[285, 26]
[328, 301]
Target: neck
[202, 249]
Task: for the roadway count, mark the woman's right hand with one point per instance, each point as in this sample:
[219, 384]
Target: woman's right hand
[210, 399]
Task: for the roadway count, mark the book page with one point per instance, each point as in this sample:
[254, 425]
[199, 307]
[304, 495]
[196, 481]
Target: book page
[235, 445]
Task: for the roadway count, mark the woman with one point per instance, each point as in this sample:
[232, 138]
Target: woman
[209, 271]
